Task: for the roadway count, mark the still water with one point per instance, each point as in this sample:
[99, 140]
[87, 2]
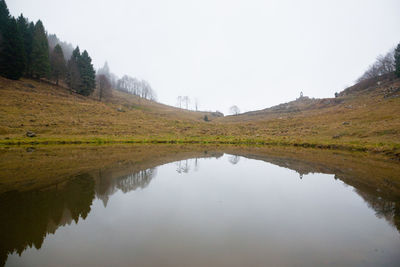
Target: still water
[215, 210]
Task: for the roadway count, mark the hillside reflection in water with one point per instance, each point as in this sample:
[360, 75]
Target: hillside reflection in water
[213, 209]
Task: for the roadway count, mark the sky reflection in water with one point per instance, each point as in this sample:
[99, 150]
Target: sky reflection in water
[220, 211]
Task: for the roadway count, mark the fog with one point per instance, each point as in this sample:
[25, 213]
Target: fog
[253, 54]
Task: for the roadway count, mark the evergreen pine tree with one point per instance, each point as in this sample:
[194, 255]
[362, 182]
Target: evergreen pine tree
[4, 16]
[397, 60]
[12, 53]
[88, 74]
[73, 71]
[57, 64]
[26, 29]
[40, 52]
[31, 31]
[4, 22]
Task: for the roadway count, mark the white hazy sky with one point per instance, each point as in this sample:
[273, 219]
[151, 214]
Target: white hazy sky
[251, 53]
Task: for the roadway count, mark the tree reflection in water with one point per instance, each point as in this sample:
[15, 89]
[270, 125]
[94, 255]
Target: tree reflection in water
[183, 166]
[26, 218]
[234, 159]
[385, 201]
[135, 181]
[384, 208]
[107, 185]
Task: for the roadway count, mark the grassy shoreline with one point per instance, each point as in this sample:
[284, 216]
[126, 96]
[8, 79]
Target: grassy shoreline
[389, 149]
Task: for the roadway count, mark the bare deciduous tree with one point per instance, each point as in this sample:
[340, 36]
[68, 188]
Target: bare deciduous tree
[384, 64]
[112, 78]
[186, 101]
[234, 110]
[104, 87]
[146, 91]
[179, 101]
[133, 86]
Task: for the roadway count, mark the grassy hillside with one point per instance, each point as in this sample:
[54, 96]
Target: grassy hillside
[53, 112]
[363, 117]
[366, 114]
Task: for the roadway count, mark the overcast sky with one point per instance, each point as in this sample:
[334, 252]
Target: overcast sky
[254, 54]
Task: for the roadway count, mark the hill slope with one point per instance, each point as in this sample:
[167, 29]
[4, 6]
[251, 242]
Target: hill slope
[52, 111]
[365, 117]
[366, 113]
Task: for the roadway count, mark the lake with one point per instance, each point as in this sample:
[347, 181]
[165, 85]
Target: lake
[172, 205]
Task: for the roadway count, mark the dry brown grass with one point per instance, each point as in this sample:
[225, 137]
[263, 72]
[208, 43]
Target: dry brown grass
[52, 111]
[362, 120]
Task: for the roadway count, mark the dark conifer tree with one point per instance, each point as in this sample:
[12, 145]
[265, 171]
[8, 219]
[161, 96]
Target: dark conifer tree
[31, 31]
[397, 60]
[26, 29]
[57, 64]
[40, 52]
[4, 15]
[88, 74]
[4, 22]
[73, 71]
[12, 53]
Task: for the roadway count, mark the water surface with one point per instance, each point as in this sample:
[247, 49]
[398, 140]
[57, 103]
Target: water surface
[205, 209]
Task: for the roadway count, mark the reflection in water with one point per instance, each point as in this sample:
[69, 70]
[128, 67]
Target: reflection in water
[384, 201]
[28, 217]
[182, 166]
[234, 159]
[134, 181]
[384, 208]
[107, 185]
